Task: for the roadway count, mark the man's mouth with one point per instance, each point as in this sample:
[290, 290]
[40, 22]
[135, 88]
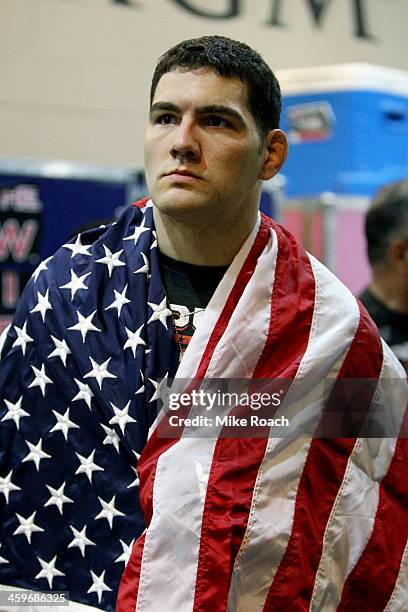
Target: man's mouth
[182, 174]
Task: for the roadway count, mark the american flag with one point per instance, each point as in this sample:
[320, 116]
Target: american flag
[278, 523]
[78, 387]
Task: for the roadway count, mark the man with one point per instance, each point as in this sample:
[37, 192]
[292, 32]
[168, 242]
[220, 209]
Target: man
[231, 521]
[386, 298]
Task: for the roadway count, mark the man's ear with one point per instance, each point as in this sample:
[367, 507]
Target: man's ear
[398, 252]
[276, 145]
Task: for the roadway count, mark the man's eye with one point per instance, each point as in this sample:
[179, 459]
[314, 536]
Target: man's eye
[215, 121]
[165, 119]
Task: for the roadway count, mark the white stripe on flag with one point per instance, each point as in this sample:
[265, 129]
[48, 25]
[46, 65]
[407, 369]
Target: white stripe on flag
[198, 342]
[235, 356]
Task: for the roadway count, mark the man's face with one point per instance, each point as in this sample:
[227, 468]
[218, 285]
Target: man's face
[202, 147]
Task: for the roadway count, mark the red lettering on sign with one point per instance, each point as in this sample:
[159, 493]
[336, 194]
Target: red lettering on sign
[10, 289]
[15, 240]
[5, 321]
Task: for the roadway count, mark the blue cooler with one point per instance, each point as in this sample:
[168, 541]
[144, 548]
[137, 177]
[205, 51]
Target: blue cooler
[347, 126]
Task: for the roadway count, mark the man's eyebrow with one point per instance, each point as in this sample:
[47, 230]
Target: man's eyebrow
[164, 106]
[219, 109]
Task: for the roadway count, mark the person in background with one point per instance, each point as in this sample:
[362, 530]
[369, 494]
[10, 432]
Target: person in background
[386, 297]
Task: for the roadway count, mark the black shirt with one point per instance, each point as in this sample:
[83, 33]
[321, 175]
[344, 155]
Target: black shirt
[189, 288]
[392, 325]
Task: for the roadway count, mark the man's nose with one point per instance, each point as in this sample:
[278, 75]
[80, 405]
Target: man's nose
[185, 144]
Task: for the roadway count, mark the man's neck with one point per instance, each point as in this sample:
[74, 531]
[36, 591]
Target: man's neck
[203, 244]
[391, 292]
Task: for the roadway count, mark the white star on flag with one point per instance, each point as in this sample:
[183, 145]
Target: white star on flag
[111, 437]
[127, 550]
[134, 340]
[142, 387]
[160, 390]
[61, 350]
[88, 466]
[80, 540]
[6, 486]
[27, 526]
[122, 417]
[77, 248]
[137, 233]
[98, 585]
[58, 498]
[63, 423]
[84, 393]
[49, 571]
[119, 301]
[111, 260]
[41, 379]
[160, 312]
[36, 453]
[22, 337]
[145, 268]
[154, 243]
[76, 283]
[14, 412]
[2, 559]
[41, 268]
[136, 481]
[108, 511]
[156, 389]
[100, 371]
[43, 304]
[84, 325]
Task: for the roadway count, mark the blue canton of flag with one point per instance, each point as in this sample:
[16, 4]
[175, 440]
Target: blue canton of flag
[78, 386]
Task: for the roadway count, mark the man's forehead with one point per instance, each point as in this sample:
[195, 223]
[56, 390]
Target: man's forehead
[202, 86]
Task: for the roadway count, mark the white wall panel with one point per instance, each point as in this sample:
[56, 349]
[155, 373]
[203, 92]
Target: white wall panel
[75, 74]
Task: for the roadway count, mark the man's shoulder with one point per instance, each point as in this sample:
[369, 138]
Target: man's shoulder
[85, 248]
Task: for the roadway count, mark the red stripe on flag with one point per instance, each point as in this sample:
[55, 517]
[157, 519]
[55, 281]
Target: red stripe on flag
[129, 583]
[381, 559]
[321, 479]
[236, 461]
[156, 446]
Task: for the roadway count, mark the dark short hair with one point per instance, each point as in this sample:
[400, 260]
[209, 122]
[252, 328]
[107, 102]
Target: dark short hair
[387, 218]
[233, 59]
